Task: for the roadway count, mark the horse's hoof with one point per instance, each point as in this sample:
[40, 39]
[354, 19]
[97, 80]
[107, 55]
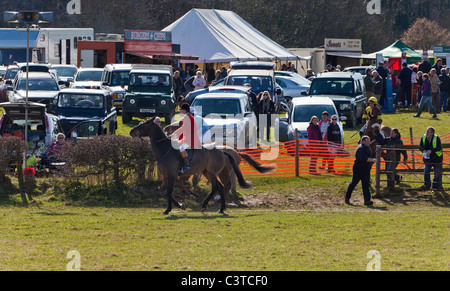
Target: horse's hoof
[203, 209]
[166, 212]
[221, 211]
[183, 207]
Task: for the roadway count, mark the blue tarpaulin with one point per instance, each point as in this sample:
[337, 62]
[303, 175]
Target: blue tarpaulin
[17, 39]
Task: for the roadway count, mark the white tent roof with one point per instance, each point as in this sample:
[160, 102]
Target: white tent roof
[217, 36]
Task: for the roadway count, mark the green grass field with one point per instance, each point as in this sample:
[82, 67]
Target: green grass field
[282, 224]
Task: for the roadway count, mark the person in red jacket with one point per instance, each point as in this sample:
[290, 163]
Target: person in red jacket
[314, 139]
[187, 135]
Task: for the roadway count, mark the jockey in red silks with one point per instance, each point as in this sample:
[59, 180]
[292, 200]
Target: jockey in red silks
[187, 136]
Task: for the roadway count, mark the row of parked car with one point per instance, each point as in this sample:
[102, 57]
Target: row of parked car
[58, 103]
[339, 93]
[84, 102]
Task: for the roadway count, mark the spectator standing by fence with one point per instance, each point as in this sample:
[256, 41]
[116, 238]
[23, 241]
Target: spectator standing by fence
[433, 157]
[323, 124]
[361, 171]
[335, 141]
[393, 157]
[314, 139]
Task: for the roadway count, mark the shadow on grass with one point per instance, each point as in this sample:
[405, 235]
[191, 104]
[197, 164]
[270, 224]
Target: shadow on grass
[408, 197]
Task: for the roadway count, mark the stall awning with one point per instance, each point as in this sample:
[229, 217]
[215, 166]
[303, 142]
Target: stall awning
[165, 56]
[354, 55]
[17, 39]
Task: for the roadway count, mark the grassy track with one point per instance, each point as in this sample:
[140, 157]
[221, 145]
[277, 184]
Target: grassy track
[286, 224]
[408, 238]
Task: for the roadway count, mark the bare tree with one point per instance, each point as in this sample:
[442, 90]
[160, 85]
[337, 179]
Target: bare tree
[424, 34]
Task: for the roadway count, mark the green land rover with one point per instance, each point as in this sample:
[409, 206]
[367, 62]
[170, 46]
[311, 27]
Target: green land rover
[150, 93]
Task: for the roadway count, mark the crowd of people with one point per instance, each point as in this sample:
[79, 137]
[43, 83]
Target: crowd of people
[422, 85]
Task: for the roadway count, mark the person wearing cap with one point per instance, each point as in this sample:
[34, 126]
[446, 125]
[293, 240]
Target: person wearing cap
[378, 135]
[187, 136]
[157, 120]
[371, 115]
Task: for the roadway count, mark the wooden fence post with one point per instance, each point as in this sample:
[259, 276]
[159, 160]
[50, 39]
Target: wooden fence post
[412, 143]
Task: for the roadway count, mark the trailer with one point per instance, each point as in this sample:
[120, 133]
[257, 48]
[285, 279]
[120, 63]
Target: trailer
[47, 45]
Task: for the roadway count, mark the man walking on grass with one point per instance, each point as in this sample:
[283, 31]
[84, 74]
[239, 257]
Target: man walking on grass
[361, 171]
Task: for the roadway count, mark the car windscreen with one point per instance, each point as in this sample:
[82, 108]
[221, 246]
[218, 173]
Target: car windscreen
[66, 71]
[85, 101]
[300, 80]
[258, 83]
[47, 84]
[303, 113]
[11, 73]
[89, 76]
[120, 77]
[152, 80]
[332, 86]
[217, 106]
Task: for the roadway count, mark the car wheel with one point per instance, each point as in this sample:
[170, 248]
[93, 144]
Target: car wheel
[126, 117]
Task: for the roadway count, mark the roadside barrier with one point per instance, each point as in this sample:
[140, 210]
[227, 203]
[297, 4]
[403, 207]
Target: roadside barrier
[298, 158]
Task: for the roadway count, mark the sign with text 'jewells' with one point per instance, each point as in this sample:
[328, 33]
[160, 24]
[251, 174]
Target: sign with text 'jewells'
[147, 35]
[337, 44]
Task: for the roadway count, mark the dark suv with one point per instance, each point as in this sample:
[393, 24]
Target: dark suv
[150, 93]
[347, 91]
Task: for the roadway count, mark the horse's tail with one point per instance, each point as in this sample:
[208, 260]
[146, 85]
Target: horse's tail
[257, 165]
[244, 184]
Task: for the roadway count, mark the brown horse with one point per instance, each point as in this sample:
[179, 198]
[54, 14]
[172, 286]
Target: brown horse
[210, 162]
[261, 168]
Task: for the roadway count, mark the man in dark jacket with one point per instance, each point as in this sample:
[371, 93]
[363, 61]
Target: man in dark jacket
[404, 79]
[368, 83]
[425, 66]
[361, 171]
[393, 157]
[433, 157]
[445, 89]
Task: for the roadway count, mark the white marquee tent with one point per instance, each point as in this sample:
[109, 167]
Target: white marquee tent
[218, 36]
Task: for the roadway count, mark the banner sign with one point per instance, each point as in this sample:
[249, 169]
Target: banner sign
[147, 35]
[347, 45]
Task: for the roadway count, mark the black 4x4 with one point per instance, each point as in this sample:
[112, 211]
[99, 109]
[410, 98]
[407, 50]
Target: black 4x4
[347, 91]
[150, 93]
